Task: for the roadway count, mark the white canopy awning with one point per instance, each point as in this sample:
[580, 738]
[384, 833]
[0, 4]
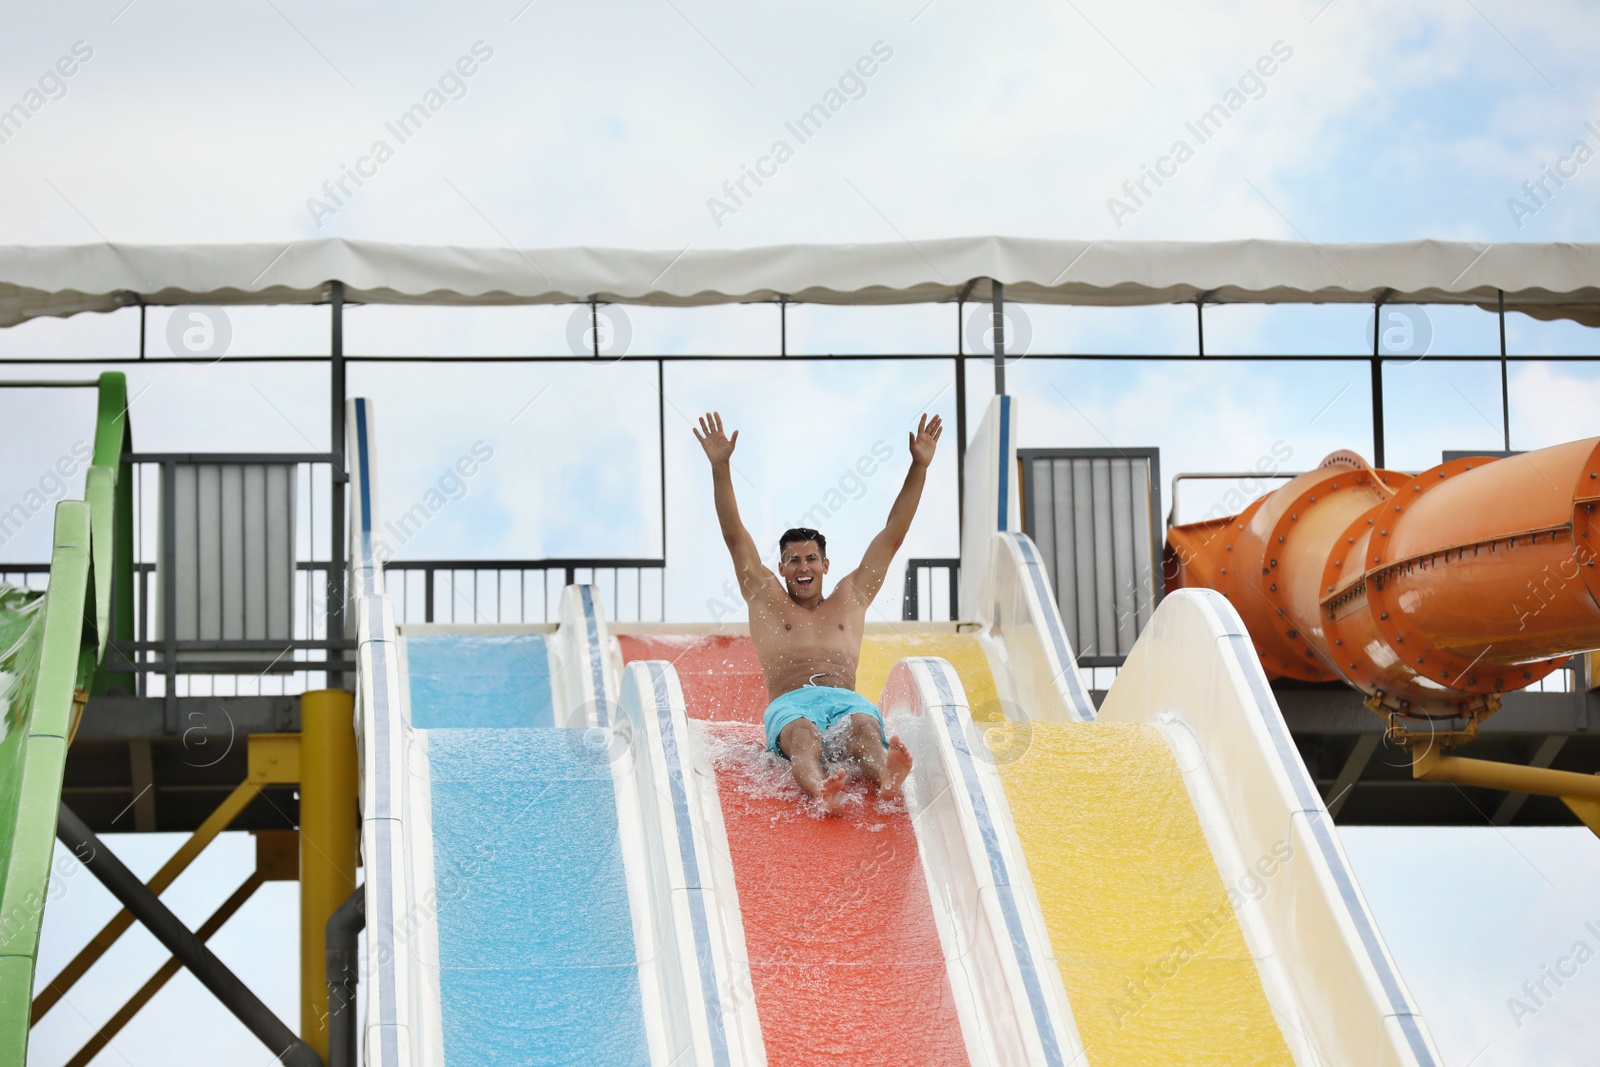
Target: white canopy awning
[1546, 281]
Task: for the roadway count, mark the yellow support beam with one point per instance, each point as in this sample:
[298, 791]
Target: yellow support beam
[274, 760]
[328, 843]
[1580, 792]
[276, 854]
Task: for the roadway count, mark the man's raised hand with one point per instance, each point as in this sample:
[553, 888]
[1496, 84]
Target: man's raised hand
[925, 440]
[718, 445]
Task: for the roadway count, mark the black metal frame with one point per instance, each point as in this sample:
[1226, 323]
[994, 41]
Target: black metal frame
[1157, 535]
[910, 600]
[568, 566]
[131, 657]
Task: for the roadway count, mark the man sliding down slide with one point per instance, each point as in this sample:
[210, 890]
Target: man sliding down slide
[809, 644]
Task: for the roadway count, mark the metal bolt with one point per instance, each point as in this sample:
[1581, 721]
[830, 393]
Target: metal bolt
[1384, 615]
[1337, 563]
[1274, 588]
[1274, 563]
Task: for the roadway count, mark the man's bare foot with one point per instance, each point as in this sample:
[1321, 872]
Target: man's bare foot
[831, 795]
[896, 766]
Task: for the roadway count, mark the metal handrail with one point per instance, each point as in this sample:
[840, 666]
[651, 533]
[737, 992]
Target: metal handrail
[910, 601]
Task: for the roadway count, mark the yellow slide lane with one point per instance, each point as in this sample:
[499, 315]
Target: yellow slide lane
[881, 651]
[1151, 954]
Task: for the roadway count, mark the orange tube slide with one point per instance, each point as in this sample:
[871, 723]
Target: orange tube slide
[1430, 593]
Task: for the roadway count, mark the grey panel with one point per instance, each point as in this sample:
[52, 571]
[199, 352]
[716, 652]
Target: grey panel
[1083, 554]
[208, 539]
[253, 612]
[230, 551]
[1090, 511]
[1123, 595]
[233, 565]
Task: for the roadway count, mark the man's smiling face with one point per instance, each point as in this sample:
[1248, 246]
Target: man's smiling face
[802, 568]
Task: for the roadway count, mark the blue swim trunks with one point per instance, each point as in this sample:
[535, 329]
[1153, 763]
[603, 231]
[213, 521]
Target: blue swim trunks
[823, 705]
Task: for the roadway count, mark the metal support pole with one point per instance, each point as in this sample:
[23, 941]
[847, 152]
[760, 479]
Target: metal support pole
[344, 976]
[661, 453]
[783, 326]
[336, 488]
[327, 842]
[169, 592]
[141, 328]
[1505, 388]
[124, 1015]
[182, 943]
[961, 445]
[1200, 322]
[594, 327]
[998, 293]
[1377, 382]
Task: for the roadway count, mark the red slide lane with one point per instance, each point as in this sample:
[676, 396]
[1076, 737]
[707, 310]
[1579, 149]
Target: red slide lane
[844, 953]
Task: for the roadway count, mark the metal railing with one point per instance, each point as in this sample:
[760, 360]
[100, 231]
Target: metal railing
[32, 576]
[312, 652]
[923, 590]
[521, 590]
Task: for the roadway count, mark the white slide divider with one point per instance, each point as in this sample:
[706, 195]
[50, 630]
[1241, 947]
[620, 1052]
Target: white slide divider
[396, 980]
[1023, 630]
[1195, 676]
[700, 973]
[1008, 991]
[992, 502]
[1004, 585]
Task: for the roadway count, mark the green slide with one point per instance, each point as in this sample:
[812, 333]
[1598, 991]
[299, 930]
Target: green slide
[51, 647]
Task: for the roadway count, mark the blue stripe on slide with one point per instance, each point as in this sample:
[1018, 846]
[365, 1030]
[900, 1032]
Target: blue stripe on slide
[991, 843]
[597, 678]
[366, 483]
[678, 787]
[1004, 479]
[1243, 652]
[1058, 638]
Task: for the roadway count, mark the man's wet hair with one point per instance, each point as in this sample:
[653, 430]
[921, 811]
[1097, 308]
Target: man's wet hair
[802, 533]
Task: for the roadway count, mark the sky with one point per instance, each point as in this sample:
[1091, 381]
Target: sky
[617, 124]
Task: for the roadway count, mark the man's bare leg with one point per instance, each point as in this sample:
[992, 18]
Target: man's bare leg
[802, 743]
[888, 767]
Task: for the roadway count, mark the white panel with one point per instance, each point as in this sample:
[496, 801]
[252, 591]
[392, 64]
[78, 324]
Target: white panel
[230, 550]
[278, 549]
[253, 524]
[208, 518]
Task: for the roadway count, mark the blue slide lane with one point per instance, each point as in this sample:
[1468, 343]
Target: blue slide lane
[537, 959]
[473, 680]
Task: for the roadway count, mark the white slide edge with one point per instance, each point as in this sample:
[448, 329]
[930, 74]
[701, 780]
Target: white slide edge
[1194, 671]
[1008, 990]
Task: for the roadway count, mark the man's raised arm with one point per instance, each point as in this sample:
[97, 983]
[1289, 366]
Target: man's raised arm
[753, 574]
[867, 579]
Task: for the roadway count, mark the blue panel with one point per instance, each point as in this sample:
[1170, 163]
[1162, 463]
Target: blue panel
[479, 680]
[537, 960]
